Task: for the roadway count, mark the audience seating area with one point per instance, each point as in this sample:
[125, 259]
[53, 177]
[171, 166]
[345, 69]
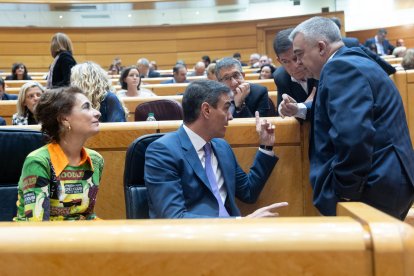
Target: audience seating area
[360, 241]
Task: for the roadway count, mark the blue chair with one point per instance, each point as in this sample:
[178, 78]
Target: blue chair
[136, 201]
[15, 145]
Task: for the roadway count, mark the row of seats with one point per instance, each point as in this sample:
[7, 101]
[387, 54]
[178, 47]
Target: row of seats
[8, 108]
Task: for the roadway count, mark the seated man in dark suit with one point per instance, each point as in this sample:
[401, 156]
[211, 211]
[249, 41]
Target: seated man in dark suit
[143, 66]
[292, 78]
[179, 74]
[246, 98]
[384, 47]
[3, 95]
[193, 173]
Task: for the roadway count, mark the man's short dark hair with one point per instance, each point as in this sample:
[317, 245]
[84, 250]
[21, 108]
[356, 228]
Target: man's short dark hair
[199, 92]
[237, 55]
[282, 43]
[177, 68]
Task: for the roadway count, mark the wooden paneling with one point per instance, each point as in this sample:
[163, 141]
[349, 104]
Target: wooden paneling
[164, 44]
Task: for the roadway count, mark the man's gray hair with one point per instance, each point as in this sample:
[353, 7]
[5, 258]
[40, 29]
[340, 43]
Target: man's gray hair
[227, 62]
[316, 29]
[143, 61]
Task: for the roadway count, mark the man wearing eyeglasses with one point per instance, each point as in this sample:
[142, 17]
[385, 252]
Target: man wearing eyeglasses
[246, 98]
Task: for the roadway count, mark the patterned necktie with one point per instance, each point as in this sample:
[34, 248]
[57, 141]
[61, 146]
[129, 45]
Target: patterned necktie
[212, 179]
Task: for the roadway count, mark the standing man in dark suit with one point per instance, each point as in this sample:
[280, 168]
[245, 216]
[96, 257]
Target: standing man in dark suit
[292, 78]
[348, 41]
[193, 173]
[384, 47]
[246, 98]
[360, 148]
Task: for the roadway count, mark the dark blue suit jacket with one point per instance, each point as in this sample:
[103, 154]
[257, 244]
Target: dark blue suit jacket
[153, 74]
[258, 99]
[285, 85]
[178, 186]
[388, 48]
[171, 81]
[360, 148]
[350, 41]
[7, 97]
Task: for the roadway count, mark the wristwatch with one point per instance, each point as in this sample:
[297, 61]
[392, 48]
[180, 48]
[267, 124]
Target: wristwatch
[266, 147]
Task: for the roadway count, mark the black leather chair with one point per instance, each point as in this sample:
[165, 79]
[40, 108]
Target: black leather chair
[164, 110]
[15, 145]
[134, 185]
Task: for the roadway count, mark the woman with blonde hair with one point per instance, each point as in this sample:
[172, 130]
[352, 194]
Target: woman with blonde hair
[93, 80]
[61, 50]
[29, 95]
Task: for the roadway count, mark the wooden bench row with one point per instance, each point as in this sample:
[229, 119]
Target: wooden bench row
[13, 87]
[8, 108]
[360, 241]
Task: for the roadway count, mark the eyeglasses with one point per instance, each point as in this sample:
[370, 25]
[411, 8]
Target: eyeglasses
[235, 75]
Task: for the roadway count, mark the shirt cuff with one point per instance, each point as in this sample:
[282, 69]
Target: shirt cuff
[268, 152]
[302, 110]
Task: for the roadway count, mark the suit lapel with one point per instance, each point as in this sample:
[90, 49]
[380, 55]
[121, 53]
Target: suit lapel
[191, 156]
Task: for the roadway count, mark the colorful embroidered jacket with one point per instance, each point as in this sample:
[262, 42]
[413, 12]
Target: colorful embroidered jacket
[51, 189]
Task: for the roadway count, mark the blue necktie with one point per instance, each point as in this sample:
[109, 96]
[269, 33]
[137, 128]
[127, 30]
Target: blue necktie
[212, 179]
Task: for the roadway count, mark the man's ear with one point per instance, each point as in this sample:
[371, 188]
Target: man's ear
[322, 47]
[205, 110]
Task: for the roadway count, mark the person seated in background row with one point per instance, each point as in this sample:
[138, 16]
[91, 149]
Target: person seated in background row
[246, 98]
[292, 79]
[354, 42]
[211, 72]
[143, 66]
[201, 177]
[29, 95]
[179, 74]
[408, 60]
[399, 51]
[61, 49]
[254, 60]
[266, 71]
[3, 95]
[199, 69]
[116, 66]
[400, 43]
[130, 81]
[60, 180]
[2, 121]
[264, 60]
[153, 65]
[94, 82]
[383, 46]
[206, 60]
[19, 72]
[238, 57]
